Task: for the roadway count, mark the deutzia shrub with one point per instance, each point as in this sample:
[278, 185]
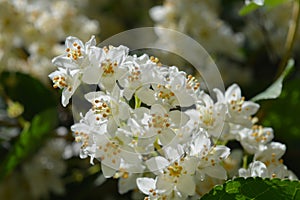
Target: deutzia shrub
[154, 128]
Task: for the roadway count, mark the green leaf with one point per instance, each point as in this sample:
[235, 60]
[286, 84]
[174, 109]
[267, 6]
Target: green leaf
[255, 189]
[30, 140]
[273, 91]
[268, 4]
[248, 9]
[281, 115]
[30, 92]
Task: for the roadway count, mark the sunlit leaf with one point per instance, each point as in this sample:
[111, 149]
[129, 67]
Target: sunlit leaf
[281, 115]
[255, 189]
[30, 140]
[248, 9]
[268, 4]
[273, 91]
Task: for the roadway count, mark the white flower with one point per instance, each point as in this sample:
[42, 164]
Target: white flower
[65, 79]
[260, 169]
[239, 110]
[76, 53]
[127, 180]
[175, 89]
[160, 123]
[113, 152]
[111, 66]
[108, 109]
[257, 2]
[208, 157]
[141, 73]
[85, 131]
[256, 168]
[148, 187]
[209, 116]
[178, 177]
[148, 127]
[172, 178]
[271, 155]
[253, 139]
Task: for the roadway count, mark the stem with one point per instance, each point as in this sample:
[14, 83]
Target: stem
[137, 102]
[220, 142]
[158, 147]
[290, 39]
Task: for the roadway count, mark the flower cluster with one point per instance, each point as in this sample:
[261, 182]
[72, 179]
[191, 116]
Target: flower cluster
[202, 20]
[31, 33]
[155, 129]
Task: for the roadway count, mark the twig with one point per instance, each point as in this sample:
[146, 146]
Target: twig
[290, 39]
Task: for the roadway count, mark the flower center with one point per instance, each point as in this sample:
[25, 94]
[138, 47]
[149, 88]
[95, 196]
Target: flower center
[111, 151]
[75, 52]
[134, 75]
[206, 116]
[61, 82]
[164, 92]
[259, 134]
[192, 83]
[82, 137]
[108, 67]
[175, 170]
[159, 122]
[236, 105]
[101, 108]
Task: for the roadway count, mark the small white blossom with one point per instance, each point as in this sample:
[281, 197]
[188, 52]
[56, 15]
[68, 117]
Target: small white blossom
[254, 139]
[141, 73]
[159, 123]
[256, 168]
[65, 79]
[208, 157]
[108, 109]
[172, 178]
[240, 111]
[209, 115]
[76, 54]
[111, 66]
[257, 2]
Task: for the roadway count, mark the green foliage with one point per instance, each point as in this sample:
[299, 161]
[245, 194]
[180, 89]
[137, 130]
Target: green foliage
[31, 138]
[269, 4]
[248, 9]
[255, 189]
[30, 92]
[273, 91]
[283, 114]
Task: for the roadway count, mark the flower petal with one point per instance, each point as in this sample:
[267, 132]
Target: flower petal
[186, 184]
[107, 171]
[145, 184]
[157, 163]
